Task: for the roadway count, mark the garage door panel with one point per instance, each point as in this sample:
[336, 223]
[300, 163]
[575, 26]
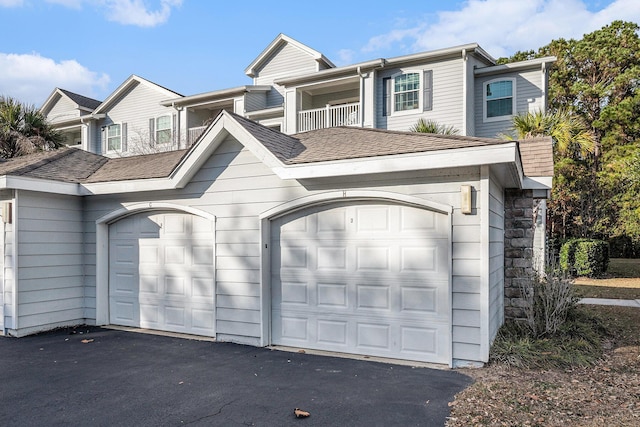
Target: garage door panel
[364, 278]
[168, 281]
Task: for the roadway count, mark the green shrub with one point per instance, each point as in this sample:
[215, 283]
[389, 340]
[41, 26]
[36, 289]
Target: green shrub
[591, 258]
[584, 257]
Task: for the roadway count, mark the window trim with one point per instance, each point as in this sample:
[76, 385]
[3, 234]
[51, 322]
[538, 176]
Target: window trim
[106, 133]
[155, 129]
[420, 91]
[513, 100]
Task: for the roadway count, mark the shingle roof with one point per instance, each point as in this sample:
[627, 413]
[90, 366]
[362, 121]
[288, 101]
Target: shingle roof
[351, 143]
[157, 165]
[65, 165]
[81, 100]
[537, 156]
[77, 166]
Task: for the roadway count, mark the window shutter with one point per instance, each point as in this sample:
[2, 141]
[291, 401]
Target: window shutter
[123, 135]
[428, 90]
[152, 132]
[103, 142]
[386, 96]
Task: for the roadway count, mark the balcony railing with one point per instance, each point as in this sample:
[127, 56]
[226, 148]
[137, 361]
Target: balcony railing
[193, 134]
[329, 117]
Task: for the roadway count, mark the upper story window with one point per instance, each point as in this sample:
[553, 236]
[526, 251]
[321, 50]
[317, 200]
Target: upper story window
[163, 129]
[499, 99]
[114, 137]
[407, 92]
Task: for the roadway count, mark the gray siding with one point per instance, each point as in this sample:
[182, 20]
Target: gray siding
[63, 109]
[286, 61]
[447, 97]
[496, 258]
[529, 98]
[50, 270]
[236, 187]
[136, 107]
[7, 285]
[255, 101]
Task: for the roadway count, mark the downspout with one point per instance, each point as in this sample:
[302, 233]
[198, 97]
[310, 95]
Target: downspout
[545, 84]
[362, 77]
[464, 91]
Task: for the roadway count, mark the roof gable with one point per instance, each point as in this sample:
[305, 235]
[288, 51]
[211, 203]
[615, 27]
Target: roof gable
[128, 84]
[81, 102]
[276, 45]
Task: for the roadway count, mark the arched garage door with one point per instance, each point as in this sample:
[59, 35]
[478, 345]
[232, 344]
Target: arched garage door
[161, 272]
[363, 278]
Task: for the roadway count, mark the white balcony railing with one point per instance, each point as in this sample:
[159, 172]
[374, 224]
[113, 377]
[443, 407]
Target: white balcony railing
[193, 134]
[329, 117]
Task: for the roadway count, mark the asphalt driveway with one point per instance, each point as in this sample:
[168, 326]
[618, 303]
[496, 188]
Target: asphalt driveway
[130, 379]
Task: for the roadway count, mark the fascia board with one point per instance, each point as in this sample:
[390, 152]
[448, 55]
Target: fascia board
[537, 182]
[223, 94]
[51, 99]
[514, 66]
[40, 185]
[459, 157]
[131, 186]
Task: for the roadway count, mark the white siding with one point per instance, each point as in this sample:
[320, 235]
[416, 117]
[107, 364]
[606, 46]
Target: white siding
[50, 261]
[236, 187]
[529, 98]
[447, 97]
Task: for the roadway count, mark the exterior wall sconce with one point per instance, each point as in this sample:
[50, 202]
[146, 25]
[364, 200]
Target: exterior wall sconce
[465, 199]
[6, 212]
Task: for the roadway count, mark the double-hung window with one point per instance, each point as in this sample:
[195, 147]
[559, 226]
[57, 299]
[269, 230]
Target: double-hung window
[499, 99]
[114, 137]
[407, 92]
[163, 130]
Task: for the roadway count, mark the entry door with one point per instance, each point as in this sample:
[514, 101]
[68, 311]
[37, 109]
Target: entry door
[161, 273]
[363, 278]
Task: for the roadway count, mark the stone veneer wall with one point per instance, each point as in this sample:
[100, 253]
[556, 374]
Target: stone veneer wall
[519, 223]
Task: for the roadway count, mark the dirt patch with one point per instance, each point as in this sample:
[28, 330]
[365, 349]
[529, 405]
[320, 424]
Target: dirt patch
[606, 393]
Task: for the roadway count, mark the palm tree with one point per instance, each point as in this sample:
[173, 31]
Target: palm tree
[431, 126]
[571, 136]
[24, 129]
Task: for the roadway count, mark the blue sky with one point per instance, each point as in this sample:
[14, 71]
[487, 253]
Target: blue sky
[194, 46]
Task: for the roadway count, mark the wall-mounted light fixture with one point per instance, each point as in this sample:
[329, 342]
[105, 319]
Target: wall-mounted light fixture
[6, 212]
[465, 199]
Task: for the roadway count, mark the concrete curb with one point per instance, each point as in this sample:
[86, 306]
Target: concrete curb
[617, 302]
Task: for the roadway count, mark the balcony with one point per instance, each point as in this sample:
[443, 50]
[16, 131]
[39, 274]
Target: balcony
[329, 117]
[193, 134]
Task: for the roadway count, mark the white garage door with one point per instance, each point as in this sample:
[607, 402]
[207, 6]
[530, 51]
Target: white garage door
[161, 272]
[363, 278]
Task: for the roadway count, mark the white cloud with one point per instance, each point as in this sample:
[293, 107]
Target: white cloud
[127, 12]
[11, 3]
[31, 77]
[503, 27]
[136, 12]
[71, 4]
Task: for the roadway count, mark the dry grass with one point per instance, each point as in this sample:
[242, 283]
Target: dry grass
[601, 393]
[621, 282]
